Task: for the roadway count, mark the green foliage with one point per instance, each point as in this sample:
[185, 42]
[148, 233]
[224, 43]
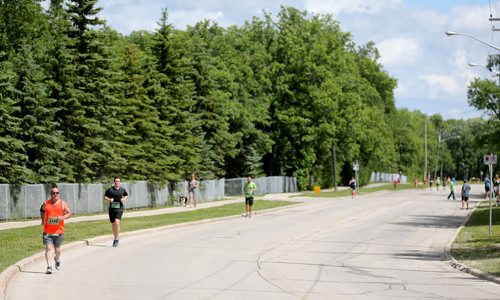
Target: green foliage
[82, 103]
[12, 156]
[43, 142]
[485, 95]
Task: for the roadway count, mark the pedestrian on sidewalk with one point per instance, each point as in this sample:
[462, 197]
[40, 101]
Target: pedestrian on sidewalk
[116, 196]
[192, 187]
[452, 188]
[249, 189]
[53, 213]
[352, 184]
[465, 194]
[487, 187]
[496, 187]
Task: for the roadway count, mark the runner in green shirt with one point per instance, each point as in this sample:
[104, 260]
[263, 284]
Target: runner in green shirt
[249, 189]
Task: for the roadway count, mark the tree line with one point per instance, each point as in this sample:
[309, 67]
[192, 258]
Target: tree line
[80, 102]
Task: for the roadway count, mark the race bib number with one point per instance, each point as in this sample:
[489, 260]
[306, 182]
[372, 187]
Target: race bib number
[53, 221]
[115, 204]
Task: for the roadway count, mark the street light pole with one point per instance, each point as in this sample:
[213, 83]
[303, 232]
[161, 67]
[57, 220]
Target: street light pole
[450, 33]
[471, 64]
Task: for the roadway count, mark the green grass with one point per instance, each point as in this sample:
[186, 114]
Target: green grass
[474, 246]
[20, 243]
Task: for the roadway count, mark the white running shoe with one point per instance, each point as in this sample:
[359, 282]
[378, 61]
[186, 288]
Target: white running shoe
[58, 264]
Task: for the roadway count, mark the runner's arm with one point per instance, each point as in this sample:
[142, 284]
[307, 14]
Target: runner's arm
[107, 199]
[42, 213]
[67, 213]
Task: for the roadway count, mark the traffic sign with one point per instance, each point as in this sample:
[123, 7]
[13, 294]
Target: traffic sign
[490, 159]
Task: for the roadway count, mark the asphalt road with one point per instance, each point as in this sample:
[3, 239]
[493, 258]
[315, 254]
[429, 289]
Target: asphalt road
[387, 245]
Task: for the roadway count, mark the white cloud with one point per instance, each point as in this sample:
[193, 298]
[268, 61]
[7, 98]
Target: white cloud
[461, 65]
[431, 20]
[399, 51]
[470, 18]
[182, 18]
[439, 84]
[349, 6]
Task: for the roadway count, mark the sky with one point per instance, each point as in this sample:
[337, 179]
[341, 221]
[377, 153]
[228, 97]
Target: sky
[431, 68]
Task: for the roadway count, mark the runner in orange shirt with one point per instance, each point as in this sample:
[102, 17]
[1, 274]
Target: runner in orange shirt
[53, 212]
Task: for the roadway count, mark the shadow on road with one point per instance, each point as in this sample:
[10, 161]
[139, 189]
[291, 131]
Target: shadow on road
[433, 221]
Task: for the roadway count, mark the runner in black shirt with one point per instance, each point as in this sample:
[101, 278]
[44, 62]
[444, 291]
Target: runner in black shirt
[116, 196]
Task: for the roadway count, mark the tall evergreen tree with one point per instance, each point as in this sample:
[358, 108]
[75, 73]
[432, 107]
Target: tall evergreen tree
[90, 108]
[148, 138]
[43, 142]
[12, 152]
[58, 71]
[175, 99]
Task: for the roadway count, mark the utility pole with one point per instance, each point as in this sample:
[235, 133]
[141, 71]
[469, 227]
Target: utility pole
[334, 157]
[438, 155]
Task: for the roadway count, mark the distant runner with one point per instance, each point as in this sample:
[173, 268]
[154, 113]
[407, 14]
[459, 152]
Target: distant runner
[465, 194]
[249, 189]
[452, 188]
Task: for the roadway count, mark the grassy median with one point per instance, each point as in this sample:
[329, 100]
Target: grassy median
[474, 246]
[20, 243]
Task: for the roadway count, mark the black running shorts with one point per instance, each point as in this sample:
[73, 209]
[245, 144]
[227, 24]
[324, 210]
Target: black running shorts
[115, 213]
[249, 201]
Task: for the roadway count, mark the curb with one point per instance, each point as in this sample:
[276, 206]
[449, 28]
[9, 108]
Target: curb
[7, 274]
[460, 266]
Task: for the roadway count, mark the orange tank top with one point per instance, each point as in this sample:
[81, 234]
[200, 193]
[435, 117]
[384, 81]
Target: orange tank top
[52, 213]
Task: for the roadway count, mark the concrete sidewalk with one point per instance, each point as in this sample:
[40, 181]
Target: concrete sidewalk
[148, 212]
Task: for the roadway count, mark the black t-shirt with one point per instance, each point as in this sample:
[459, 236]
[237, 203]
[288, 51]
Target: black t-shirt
[116, 195]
